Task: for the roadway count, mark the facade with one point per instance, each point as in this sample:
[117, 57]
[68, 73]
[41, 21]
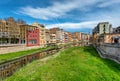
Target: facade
[116, 30]
[66, 37]
[100, 30]
[10, 31]
[33, 36]
[23, 33]
[78, 36]
[103, 27]
[62, 37]
[47, 36]
[70, 37]
[74, 37]
[57, 35]
[94, 33]
[85, 38]
[42, 33]
[14, 32]
[53, 38]
[113, 38]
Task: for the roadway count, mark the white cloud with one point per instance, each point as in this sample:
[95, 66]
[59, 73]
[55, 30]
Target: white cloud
[57, 10]
[91, 20]
[81, 25]
[111, 16]
[109, 3]
[61, 9]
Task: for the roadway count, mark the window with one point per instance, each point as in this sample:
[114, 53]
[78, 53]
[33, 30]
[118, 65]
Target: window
[98, 29]
[6, 23]
[104, 28]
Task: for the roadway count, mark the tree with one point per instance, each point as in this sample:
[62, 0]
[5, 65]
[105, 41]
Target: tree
[21, 21]
[9, 19]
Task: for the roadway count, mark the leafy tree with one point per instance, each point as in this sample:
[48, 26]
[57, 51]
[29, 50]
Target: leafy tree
[21, 21]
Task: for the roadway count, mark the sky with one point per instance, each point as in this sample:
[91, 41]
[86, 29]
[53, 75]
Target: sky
[70, 15]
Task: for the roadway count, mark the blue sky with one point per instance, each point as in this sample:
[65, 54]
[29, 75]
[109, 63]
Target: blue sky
[71, 15]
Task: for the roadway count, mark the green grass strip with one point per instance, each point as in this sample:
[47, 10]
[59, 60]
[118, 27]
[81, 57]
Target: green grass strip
[73, 64]
[9, 56]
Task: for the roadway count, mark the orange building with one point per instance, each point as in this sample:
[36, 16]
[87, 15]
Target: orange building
[70, 39]
[57, 35]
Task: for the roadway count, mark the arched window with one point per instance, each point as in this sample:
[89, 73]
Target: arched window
[116, 39]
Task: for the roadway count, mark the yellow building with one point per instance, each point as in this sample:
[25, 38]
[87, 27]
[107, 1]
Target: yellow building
[70, 39]
[23, 33]
[42, 33]
[94, 39]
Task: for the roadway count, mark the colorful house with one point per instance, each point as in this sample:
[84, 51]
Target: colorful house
[33, 36]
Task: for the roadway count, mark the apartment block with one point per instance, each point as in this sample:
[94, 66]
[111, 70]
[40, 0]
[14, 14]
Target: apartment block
[103, 27]
[9, 31]
[57, 35]
[70, 39]
[23, 34]
[66, 37]
[99, 32]
[47, 36]
[53, 38]
[42, 33]
[33, 38]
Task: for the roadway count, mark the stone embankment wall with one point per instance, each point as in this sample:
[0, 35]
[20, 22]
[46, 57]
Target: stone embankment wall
[110, 51]
[16, 48]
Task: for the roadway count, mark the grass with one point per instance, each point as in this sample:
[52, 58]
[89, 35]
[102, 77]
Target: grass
[73, 64]
[8, 56]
